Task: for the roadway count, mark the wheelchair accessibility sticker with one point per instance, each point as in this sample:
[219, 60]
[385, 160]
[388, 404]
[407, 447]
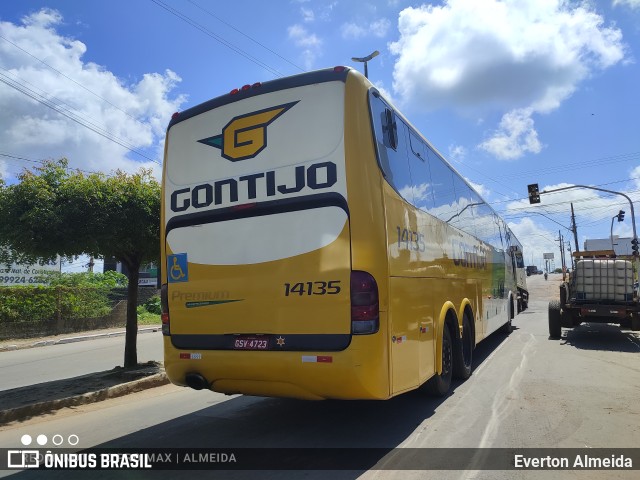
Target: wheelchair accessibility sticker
[177, 268]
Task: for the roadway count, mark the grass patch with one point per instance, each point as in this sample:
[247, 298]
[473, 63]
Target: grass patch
[147, 318]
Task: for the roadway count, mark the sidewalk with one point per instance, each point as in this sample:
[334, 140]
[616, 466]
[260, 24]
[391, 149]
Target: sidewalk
[19, 343]
[20, 404]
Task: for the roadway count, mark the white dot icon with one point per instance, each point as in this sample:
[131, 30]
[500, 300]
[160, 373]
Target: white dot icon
[57, 440]
[73, 439]
[42, 439]
[26, 440]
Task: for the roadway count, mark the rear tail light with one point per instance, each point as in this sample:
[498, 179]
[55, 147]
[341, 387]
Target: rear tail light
[364, 304]
[244, 88]
[164, 309]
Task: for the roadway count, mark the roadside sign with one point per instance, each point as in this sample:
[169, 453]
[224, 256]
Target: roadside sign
[27, 274]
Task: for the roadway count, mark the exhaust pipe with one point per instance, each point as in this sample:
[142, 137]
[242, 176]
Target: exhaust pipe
[196, 381]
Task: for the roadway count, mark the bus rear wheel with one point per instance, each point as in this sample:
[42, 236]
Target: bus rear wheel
[463, 352]
[439, 384]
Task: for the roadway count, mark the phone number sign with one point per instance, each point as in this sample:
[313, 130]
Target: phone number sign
[20, 274]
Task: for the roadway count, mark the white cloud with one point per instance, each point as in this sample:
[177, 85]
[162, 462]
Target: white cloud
[310, 43]
[377, 28]
[511, 55]
[628, 3]
[536, 240]
[308, 15]
[380, 27]
[316, 12]
[515, 136]
[635, 177]
[457, 153]
[135, 115]
[353, 30]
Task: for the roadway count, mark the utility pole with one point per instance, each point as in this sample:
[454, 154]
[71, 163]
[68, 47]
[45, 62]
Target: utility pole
[574, 228]
[562, 260]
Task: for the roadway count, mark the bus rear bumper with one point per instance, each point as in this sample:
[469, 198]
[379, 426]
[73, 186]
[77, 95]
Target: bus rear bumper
[353, 373]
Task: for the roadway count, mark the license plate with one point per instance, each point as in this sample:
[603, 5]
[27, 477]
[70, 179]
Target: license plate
[251, 343]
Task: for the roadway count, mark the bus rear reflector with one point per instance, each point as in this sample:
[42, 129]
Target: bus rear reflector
[364, 303]
[164, 309]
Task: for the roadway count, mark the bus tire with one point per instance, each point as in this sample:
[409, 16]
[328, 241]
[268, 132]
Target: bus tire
[555, 319]
[439, 384]
[463, 351]
[507, 328]
[635, 323]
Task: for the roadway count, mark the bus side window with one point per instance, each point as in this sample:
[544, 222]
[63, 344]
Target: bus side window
[391, 144]
[486, 224]
[420, 174]
[466, 200]
[442, 184]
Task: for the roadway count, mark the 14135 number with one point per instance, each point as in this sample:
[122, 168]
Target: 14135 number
[331, 287]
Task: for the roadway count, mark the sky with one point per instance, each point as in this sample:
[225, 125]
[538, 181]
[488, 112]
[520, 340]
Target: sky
[511, 92]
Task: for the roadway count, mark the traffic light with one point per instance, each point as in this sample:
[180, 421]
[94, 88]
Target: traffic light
[621, 215]
[634, 247]
[534, 194]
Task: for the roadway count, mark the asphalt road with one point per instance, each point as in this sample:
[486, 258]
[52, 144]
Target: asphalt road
[20, 368]
[526, 391]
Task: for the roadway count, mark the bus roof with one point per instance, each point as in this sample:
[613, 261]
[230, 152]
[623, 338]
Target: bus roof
[318, 76]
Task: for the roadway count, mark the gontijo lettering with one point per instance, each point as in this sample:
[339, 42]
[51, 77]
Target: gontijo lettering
[316, 177]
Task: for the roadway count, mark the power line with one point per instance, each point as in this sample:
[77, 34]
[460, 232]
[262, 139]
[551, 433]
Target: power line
[217, 38]
[42, 162]
[71, 79]
[71, 115]
[59, 102]
[597, 162]
[245, 35]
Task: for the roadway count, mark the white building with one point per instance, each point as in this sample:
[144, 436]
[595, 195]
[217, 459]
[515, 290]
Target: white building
[621, 245]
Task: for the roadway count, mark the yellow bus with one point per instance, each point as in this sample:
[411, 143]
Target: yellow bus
[316, 246]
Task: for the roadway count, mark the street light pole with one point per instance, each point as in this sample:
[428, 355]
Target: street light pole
[365, 60]
[633, 216]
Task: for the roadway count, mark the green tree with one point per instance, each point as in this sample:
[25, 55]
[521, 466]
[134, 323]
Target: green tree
[54, 211]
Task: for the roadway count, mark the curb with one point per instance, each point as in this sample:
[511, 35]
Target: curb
[79, 338]
[28, 411]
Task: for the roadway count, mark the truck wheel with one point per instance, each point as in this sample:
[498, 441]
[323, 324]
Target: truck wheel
[563, 294]
[439, 384]
[555, 319]
[463, 352]
[635, 324]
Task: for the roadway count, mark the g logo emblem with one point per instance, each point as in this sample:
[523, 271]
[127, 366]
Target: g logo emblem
[245, 136]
